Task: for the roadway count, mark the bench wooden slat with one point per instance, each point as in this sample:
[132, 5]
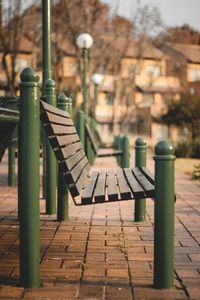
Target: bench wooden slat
[49, 108]
[73, 175]
[99, 193]
[88, 192]
[52, 118]
[64, 153]
[124, 188]
[111, 185]
[53, 129]
[70, 162]
[109, 153]
[76, 188]
[136, 188]
[144, 182]
[147, 174]
[63, 140]
[90, 135]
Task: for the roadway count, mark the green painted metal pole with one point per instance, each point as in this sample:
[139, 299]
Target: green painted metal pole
[119, 144]
[140, 161]
[63, 205]
[96, 92]
[125, 160]
[29, 136]
[51, 163]
[46, 73]
[46, 40]
[164, 216]
[9, 119]
[93, 128]
[11, 102]
[84, 80]
[81, 126]
[11, 160]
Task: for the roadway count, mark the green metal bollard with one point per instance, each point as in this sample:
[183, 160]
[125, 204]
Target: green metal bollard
[29, 136]
[81, 126]
[125, 159]
[11, 159]
[164, 216]
[89, 149]
[63, 209]
[119, 147]
[51, 163]
[70, 109]
[87, 141]
[140, 161]
[11, 102]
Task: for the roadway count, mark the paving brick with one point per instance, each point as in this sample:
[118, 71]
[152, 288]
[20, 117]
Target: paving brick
[117, 273]
[10, 292]
[65, 293]
[118, 293]
[87, 292]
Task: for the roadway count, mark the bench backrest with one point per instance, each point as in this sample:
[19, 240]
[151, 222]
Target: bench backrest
[90, 136]
[67, 146]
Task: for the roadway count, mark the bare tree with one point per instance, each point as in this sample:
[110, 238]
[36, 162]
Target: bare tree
[10, 37]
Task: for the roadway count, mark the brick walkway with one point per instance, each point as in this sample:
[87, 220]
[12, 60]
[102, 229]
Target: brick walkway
[100, 253]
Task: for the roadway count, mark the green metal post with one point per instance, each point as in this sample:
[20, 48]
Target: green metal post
[81, 126]
[84, 80]
[70, 108]
[119, 141]
[93, 128]
[51, 163]
[46, 73]
[12, 103]
[11, 160]
[96, 92]
[46, 40]
[164, 216]
[140, 161]
[125, 160]
[29, 136]
[62, 210]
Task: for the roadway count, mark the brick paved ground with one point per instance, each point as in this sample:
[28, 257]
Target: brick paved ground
[100, 253]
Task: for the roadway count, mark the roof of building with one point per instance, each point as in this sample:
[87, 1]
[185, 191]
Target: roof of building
[190, 52]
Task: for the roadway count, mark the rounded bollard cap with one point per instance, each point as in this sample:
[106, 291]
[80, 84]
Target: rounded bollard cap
[50, 83]
[62, 99]
[28, 75]
[164, 148]
[140, 142]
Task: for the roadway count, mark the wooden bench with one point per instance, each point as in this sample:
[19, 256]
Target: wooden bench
[100, 152]
[8, 121]
[96, 186]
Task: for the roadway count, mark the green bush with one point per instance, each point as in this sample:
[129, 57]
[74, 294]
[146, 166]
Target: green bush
[188, 149]
[183, 149]
[196, 172]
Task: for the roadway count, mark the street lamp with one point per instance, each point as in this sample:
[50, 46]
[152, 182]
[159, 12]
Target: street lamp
[84, 41]
[97, 79]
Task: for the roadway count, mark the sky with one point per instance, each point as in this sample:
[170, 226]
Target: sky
[173, 12]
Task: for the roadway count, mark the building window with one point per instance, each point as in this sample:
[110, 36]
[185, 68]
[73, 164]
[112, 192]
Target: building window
[153, 70]
[147, 100]
[195, 74]
[20, 64]
[192, 90]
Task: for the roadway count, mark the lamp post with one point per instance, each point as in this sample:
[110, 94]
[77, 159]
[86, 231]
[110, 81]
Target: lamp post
[97, 79]
[84, 41]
